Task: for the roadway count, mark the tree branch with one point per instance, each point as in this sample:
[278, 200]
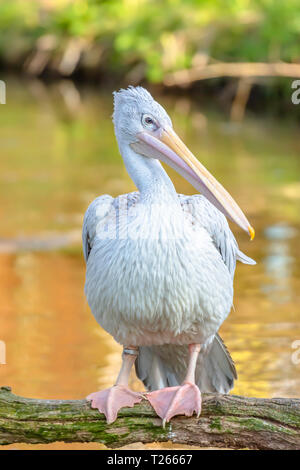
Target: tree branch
[226, 421]
[232, 69]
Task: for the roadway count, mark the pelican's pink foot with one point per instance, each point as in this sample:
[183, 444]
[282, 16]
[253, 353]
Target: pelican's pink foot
[184, 399]
[111, 400]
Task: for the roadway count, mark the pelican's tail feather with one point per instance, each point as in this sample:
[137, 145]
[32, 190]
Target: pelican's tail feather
[153, 370]
[215, 368]
[165, 366]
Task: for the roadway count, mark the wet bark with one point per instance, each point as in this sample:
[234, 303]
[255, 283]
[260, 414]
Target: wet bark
[226, 421]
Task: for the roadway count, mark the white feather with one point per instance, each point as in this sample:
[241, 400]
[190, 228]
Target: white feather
[170, 286]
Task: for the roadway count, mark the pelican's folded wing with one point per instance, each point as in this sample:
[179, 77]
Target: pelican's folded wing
[104, 211]
[96, 212]
[205, 215]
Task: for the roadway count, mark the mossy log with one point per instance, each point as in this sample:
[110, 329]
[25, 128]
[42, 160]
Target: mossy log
[226, 421]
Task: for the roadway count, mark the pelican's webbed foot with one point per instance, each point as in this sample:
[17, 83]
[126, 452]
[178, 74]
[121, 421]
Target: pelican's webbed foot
[184, 399]
[111, 400]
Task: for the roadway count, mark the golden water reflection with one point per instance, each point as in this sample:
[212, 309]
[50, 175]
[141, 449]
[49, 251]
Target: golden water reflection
[54, 162]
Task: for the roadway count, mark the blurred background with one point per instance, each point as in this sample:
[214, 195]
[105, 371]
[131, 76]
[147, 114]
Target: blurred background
[224, 71]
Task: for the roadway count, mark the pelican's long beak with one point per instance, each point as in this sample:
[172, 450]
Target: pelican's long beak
[169, 148]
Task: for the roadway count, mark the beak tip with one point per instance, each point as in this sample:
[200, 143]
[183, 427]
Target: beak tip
[252, 232]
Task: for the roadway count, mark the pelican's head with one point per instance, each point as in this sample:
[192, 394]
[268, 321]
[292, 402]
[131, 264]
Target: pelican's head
[143, 124]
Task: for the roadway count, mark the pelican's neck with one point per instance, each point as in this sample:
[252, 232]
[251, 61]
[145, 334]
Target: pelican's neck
[152, 181]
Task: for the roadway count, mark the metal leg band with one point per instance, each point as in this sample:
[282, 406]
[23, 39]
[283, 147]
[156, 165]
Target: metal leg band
[132, 352]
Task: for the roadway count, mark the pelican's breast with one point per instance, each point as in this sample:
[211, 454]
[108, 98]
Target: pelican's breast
[157, 279]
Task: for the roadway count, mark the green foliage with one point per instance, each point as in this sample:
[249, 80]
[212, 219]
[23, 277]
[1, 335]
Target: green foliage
[161, 35]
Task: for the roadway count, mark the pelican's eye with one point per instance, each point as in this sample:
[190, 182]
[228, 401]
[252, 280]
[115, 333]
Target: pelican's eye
[149, 122]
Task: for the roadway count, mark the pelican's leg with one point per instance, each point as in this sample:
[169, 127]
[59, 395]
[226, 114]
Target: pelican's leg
[183, 399]
[110, 400]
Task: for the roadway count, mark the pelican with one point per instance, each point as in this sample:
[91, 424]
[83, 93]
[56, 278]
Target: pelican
[160, 268]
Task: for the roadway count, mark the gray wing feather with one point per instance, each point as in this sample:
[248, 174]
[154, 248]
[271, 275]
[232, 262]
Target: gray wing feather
[86, 246]
[100, 209]
[96, 212]
[207, 216]
[244, 258]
